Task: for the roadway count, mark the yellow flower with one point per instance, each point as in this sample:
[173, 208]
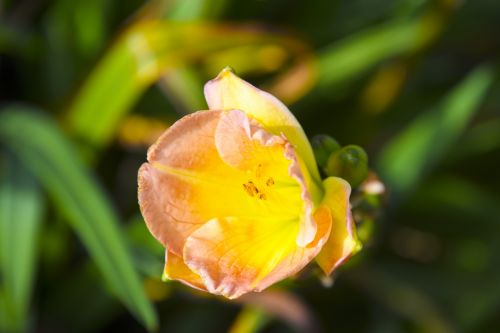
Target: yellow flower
[234, 195]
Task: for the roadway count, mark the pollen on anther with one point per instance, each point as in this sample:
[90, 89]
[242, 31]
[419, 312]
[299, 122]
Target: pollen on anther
[248, 189]
[270, 182]
[251, 189]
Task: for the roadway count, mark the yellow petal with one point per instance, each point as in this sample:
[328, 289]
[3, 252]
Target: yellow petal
[343, 242]
[237, 255]
[227, 91]
[305, 254]
[176, 269]
[242, 144]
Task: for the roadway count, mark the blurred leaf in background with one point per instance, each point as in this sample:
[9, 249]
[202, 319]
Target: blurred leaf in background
[429, 137]
[41, 146]
[21, 211]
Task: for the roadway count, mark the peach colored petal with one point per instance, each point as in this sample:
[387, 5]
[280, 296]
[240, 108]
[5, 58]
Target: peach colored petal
[176, 269]
[243, 153]
[236, 255]
[343, 242]
[167, 184]
[227, 91]
[190, 179]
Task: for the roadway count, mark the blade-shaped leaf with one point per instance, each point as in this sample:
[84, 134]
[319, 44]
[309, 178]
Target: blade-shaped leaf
[249, 320]
[363, 50]
[420, 146]
[40, 145]
[195, 9]
[480, 139]
[21, 207]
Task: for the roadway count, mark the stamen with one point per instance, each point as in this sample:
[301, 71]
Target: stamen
[258, 171]
[253, 190]
[250, 188]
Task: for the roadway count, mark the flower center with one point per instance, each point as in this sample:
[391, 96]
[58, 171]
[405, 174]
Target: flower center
[258, 187]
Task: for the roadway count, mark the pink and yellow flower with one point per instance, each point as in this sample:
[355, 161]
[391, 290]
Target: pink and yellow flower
[234, 195]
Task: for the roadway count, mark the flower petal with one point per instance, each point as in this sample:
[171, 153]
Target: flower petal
[167, 184]
[176, 269]
[227, 91]
[237, 255]
[246, 154]
[343, 241]
[190, 180]
[302, 255]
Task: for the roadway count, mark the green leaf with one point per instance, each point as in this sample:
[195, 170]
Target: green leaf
[51, 158]
[148, 253]
[408, 156]
[21, 208]
[480, 139]
[184, 10]
[184, 88]
[250, 320]
[359, 52]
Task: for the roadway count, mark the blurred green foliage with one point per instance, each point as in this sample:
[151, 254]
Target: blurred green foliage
[21, 205]
[412, 81]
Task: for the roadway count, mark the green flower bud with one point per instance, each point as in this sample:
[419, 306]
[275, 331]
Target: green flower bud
[323, 145]
[350, 163]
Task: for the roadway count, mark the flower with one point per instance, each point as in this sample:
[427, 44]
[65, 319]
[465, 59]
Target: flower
[234, 195]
